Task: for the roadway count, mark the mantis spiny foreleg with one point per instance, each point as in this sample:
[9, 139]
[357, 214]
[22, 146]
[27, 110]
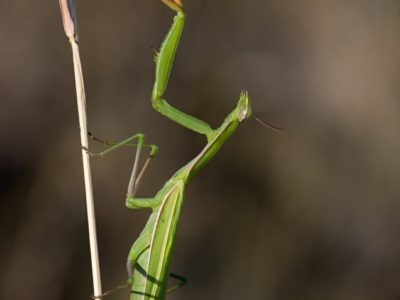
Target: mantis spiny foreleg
[164, 62]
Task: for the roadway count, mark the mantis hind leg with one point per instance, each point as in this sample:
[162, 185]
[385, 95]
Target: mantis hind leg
[183, 280]
[138, 248]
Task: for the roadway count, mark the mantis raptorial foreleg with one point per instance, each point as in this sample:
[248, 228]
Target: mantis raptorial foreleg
[164, 62]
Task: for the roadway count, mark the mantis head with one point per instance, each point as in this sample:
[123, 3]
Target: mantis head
[243, 107]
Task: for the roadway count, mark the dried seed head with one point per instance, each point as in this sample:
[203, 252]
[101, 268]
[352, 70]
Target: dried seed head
[68, 12]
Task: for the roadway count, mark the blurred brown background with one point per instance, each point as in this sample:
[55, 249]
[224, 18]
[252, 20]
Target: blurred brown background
[310, 216]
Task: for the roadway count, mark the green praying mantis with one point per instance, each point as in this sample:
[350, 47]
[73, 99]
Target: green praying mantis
[149, 258]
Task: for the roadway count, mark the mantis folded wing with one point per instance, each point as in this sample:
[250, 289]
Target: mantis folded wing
[150, 256]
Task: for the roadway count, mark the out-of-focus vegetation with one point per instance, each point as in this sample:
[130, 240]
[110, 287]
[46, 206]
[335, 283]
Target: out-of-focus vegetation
[310, 216]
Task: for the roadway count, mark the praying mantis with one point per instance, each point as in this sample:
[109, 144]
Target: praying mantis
[149, 258]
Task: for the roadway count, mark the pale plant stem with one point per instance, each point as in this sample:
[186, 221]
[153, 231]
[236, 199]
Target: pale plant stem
[81, 102]
[69, 17]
